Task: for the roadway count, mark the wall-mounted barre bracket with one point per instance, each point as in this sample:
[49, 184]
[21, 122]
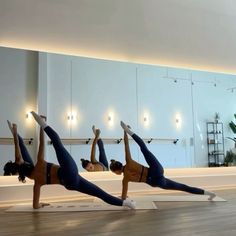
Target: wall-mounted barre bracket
[10, 141]
[149, 140]
[175, 141]
[118, 140]
[88, 140]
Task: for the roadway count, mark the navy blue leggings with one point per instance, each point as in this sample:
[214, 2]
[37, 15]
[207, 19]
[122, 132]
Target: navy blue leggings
[156, 176]
[24, 152]
[69, 176]
[102, 154]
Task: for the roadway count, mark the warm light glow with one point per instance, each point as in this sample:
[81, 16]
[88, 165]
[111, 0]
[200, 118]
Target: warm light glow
[110, 119]
[28, 116]
[146, 119]
[72, 117]
[178, 121]
[66, 50]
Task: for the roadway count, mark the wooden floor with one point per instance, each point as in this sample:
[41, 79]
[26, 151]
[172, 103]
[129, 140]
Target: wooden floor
[172, 218]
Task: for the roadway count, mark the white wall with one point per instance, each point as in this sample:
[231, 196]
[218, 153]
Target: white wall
[18, 91]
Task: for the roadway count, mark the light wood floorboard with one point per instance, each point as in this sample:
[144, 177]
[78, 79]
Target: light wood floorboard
[172, 219]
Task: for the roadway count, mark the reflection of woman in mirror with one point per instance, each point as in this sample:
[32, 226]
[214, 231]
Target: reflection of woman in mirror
[21, 153]
[66, 173]
[93, 164]
[152, 175]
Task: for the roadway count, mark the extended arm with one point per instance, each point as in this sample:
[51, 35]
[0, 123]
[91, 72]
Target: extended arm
[40, 157]
[127, 150]
[124, 188]
[18, 155]
[93, 149]
[36, 196]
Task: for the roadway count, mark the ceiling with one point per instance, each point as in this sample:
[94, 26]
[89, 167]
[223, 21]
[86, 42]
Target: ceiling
[197, 34]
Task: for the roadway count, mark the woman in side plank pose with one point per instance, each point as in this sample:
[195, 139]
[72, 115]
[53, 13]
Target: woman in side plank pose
[152, 175]
[65, 174]
[93, 164]
[21, 153]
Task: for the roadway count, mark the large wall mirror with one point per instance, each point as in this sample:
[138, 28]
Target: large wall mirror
[163, 105]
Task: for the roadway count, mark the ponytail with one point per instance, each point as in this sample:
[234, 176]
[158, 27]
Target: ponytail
[84, 163]
[115, 165]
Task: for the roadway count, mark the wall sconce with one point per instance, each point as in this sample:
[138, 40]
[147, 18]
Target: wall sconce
[71, 117]
[146, 120]
[110, 119]
[178, 121]
[28, 115]
[29, 121]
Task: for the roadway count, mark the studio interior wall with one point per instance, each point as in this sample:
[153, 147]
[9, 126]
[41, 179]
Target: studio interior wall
[94, 89]
[150, 98]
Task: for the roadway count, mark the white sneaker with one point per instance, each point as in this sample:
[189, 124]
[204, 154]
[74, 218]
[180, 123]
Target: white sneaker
[126, 128]
[94, 129]
[129, 203]
[210, 194]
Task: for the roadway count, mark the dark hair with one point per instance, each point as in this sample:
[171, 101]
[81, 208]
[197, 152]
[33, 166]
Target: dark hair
[25, 170]
[84, 163]
[11, 168]
[115, 165]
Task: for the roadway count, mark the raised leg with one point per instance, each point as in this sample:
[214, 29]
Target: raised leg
[102, 153]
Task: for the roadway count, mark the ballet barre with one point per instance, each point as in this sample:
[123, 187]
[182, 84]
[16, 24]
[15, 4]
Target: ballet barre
[82, 141]
[173, 140]
[10, 141]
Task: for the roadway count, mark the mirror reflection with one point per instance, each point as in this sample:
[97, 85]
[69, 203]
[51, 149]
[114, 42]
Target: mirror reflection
[168, 107]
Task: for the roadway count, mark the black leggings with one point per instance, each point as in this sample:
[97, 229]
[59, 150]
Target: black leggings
[156, 176]
[102, 154]
[24, 152]
[68, 172]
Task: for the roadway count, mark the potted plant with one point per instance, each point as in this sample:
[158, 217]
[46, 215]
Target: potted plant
[232, 126]
[230, 158]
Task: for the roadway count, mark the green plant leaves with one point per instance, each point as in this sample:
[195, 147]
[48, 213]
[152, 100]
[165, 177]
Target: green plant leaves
[232, 126]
